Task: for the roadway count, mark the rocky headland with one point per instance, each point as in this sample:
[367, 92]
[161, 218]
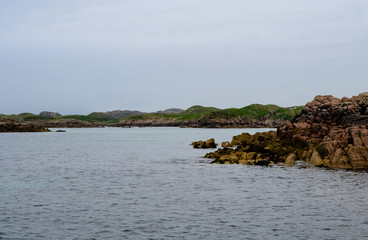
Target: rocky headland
[10, 125]
[329, 132]
[252, 116]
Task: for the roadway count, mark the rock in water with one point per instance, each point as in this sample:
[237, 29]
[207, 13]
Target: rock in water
[210, 143]
[258, 149]
[9, 125]
[330, 132]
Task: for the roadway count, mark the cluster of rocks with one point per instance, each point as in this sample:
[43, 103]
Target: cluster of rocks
[159, 122]
[258, 149]
[239, 122]
[202, 123]
[68, 123]
[210, 143]
[9, 125]
[330, 132]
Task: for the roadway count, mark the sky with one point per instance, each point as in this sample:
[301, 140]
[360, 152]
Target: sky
[81, 56]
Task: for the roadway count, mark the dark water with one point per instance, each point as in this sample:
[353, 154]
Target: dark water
[148, 183]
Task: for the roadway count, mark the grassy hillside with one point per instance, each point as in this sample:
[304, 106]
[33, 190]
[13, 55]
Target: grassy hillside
[192, 113]
[95, 117]
[254, 111]
[257, 111]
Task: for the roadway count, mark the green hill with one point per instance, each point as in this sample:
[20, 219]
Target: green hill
[194, 113]
[257, 111]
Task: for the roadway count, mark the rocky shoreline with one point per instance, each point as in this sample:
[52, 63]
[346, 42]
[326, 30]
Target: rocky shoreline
[330, 132]
[9, 125]
[68, 123]
[203, 123]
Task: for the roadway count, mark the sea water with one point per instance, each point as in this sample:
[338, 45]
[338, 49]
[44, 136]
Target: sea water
[149, 183]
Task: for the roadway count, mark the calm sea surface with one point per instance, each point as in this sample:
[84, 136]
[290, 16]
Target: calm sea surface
[148, 183]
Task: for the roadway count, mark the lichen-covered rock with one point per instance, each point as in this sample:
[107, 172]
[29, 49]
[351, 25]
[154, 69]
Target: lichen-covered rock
[290, 160]
[226, 145]
[258, 149]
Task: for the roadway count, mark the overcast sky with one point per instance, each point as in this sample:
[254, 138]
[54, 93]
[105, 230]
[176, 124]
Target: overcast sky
[79, 56]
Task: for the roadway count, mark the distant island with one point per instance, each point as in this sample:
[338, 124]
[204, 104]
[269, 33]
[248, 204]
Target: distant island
[252, 116]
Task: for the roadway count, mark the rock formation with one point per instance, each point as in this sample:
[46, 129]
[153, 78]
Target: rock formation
[171, 110]
[9, 125]
[68, 123]
[210, 143]
[258, 149]
[122, 114]
[49, 114]
[330, 132]
[239, 122]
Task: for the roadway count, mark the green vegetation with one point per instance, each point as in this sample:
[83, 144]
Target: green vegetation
[95, 117]
[192, 113]
[18, 117]
[257, 111]
[254, 111]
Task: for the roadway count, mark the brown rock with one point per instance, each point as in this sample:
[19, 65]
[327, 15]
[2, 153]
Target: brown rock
[330, 132]
[9, 125]
[226, 144]
[290, 160]
[210, 143]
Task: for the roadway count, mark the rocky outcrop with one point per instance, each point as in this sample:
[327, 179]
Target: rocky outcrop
[226, 144]
[9, 125]
[330, 132]
[239, 122]
[210, 143]
[258, 149]
[217, 123]
[122, 114]
[159, 122]
[171, 110]
[68, 123]
[49, 114]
